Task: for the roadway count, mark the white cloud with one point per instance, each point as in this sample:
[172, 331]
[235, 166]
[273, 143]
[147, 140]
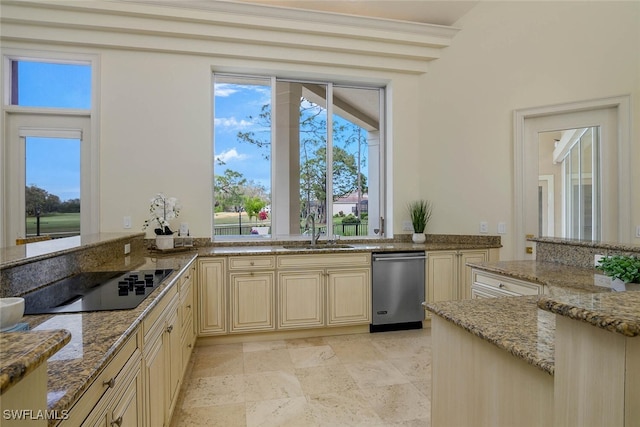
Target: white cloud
[225, 89]
[231, 154]
[231, 122]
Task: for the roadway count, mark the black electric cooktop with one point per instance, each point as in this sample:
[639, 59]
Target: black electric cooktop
[95, 291]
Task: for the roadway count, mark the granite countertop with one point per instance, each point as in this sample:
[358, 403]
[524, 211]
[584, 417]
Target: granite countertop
[23, 352]
[296, 248]
[96, 336]
[617, 312]
[514, 324]
[561, 279]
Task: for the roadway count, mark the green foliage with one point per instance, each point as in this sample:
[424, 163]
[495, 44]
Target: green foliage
[37, 198]
[625, 268]
[350, 219]
[253, 206]
[420, 213]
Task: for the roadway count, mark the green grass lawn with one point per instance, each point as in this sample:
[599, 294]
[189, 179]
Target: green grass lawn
[55, 223]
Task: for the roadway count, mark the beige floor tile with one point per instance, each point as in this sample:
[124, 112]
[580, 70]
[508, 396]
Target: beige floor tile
[264, 361]
[294, 412]
[264, 345]
[217, 364]
[211, 391]
[348, 408]
[415, 368]
[271, 385]
[356, 351]
[375, 373]
[211, 416]
[217, 348]
[398, 402]
[394, 348]
[306, 357]
[325, 379]
[306, 342]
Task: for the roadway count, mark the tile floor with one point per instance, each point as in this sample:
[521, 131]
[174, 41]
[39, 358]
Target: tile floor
[381, 379]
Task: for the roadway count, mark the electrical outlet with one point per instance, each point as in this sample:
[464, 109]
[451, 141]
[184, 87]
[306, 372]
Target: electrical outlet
[637, 230]
[484, 227]
[126, 223]
[601, 280]
[127, 248]
[502, 228]
[597, 258]
[406, 226]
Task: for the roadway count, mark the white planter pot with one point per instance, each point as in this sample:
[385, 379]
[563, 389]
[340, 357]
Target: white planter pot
[418, 238]
[164, 242]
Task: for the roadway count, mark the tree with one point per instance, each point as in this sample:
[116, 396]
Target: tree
[228, 190]
[253, 205]
[347, 177]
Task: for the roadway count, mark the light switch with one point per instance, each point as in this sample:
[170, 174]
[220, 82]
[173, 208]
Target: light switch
[502, 228]
[126, 222]
[484, 227]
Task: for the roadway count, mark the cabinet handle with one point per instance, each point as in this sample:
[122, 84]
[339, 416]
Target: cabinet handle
[252, 263]
[117, 421]
[189, 345]
[500, 285]
[251, 273]
[110, 383]
[189, 306]
[170, 328]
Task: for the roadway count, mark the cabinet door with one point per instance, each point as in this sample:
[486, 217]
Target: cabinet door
[442, 276]
[252, 297]
[301, 299]
[155, 390]
[211, 318]
[128, 409]
[349, 296]
[466, 278]
[173, 348]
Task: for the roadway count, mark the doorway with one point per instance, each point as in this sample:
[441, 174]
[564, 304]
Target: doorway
[609, 204]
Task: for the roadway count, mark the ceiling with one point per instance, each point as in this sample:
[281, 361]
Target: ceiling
[441, 12]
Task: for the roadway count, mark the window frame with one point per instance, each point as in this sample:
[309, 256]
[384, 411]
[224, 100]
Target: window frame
[90, 162]
[381, 158]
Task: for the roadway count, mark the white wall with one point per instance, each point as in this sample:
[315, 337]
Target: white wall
[508, 56]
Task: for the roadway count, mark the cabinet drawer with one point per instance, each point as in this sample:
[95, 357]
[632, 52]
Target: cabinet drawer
[186, 303]
[507, 284]
[479, 290]
[107, 381]
[324, 260]
[251, 262]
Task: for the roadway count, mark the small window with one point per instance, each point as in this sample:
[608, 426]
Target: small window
[53, 85]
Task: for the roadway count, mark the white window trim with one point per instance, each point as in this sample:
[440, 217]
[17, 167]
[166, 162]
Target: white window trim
[90, 163]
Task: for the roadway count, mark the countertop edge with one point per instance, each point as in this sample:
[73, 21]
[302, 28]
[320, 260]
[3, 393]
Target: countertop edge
[39, 347]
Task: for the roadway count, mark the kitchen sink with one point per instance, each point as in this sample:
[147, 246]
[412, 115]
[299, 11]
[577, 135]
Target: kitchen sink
[318, 246]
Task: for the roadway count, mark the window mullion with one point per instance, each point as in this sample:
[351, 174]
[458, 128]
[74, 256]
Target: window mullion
[329, 183]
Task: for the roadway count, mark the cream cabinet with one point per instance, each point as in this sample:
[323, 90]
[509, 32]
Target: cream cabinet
[187, 315]
[162, 359]
[492, 285]
[115, 397]
[324, 290]
[252, 294]
[301, 299]
[448, 277]
[212, 297]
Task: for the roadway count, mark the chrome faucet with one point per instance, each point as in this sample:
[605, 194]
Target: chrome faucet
[314, 237]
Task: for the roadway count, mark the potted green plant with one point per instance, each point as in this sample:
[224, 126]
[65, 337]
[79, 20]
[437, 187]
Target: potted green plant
[622, 268]
[420, 213]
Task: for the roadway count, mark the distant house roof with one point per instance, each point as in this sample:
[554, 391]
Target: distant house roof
[352, 198]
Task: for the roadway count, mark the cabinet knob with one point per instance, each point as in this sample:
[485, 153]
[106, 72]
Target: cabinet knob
[252, 263]
[170, 328]
[189, 345]
[500, 285]
[188, 305]
[117, 421]
[110, 383]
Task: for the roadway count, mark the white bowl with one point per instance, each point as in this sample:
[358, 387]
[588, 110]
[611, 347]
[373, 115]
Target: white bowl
[11, 311]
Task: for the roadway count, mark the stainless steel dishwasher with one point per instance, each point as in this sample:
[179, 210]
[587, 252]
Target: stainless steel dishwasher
[397, 290]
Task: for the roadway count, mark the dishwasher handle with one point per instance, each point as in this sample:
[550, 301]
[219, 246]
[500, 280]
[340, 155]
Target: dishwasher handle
[408, 258]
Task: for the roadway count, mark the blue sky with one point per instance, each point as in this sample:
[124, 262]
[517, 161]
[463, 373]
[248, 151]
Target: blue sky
[53, 163]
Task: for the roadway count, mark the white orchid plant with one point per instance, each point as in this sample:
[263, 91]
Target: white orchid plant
[161, 210]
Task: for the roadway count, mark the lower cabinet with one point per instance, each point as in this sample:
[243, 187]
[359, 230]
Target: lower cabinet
[212, 297]
[492, 285]
[251, 301]
[323, 290]
[162, 363]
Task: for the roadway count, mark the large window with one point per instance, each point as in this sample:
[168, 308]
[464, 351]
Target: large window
[287, 151]
[48, 142]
